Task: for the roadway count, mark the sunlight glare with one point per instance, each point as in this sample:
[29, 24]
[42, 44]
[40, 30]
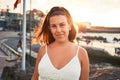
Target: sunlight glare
[105, 20]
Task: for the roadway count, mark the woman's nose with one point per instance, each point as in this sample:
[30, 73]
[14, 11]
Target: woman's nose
[58, 29]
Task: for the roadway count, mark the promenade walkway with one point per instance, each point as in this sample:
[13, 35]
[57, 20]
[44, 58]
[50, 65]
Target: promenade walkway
[11, 41]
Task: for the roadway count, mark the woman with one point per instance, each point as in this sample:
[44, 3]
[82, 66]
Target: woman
[19, 49]
[60, 58]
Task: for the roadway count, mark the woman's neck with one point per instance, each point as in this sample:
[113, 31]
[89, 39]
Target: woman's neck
[61, 43]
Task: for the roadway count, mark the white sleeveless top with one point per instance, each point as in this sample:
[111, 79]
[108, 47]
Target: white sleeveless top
[71, 71]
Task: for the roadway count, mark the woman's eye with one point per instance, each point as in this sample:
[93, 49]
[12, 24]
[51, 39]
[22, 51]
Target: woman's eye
[53, 26]
[62, 25]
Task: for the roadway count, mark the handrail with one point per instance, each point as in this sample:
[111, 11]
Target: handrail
[10, 51]
[7, 49]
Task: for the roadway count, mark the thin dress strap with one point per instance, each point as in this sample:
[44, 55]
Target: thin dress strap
[46, 48]
[78, 50]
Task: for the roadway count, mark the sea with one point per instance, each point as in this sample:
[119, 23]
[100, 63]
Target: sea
[109, 46]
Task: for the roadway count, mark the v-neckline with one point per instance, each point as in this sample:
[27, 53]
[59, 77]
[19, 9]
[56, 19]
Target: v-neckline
[61, 67]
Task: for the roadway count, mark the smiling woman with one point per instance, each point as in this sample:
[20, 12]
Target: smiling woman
[60, 58]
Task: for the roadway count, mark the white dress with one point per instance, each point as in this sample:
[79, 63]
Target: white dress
[71, 71]
[19, 49]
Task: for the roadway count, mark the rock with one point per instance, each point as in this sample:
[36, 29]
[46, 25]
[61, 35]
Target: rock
[15, 72]
[100, 55]
[106, 74]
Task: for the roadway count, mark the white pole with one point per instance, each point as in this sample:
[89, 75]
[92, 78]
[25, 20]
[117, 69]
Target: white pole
[24, 36]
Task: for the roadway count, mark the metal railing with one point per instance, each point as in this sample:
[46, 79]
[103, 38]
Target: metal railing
[11, 52]
[7, 49]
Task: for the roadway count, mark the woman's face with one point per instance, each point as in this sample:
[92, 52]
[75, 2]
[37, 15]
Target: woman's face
[59, 27]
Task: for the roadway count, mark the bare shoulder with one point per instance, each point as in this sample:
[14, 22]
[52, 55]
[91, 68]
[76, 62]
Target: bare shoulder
[41, 51]
[82, 50]
[82, 53]
[42, 48]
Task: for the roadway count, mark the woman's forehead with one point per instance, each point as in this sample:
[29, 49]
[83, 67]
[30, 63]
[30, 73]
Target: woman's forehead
[58, 18]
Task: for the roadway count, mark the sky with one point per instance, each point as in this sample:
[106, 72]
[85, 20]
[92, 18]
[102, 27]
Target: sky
[98, 12]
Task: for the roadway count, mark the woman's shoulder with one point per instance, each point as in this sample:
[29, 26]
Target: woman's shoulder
[82, 52]
[42, 50]
[82, 49]
[42, 47]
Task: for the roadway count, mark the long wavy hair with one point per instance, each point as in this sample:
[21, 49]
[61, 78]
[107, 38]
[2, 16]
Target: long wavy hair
[45, 32]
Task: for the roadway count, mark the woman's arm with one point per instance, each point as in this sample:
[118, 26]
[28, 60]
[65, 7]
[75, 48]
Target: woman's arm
[84, 60]
[39, 56]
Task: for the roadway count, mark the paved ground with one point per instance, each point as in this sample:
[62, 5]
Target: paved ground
[3, 57]
[6, 34]
[4, 62]
[11, 39]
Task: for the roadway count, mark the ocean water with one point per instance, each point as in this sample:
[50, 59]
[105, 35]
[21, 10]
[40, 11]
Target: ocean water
[109, 46]
[106, 35]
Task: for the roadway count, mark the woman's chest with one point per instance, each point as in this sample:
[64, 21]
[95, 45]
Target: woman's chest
[67, 72]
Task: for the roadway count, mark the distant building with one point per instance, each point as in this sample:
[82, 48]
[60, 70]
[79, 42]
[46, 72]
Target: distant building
[87, 27]
[13, 21]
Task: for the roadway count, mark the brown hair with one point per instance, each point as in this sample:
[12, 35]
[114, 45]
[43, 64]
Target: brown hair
[45, 31]
[19, 43]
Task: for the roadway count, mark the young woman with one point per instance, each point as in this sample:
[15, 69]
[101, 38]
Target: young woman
[60, 58]
[19, 49]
